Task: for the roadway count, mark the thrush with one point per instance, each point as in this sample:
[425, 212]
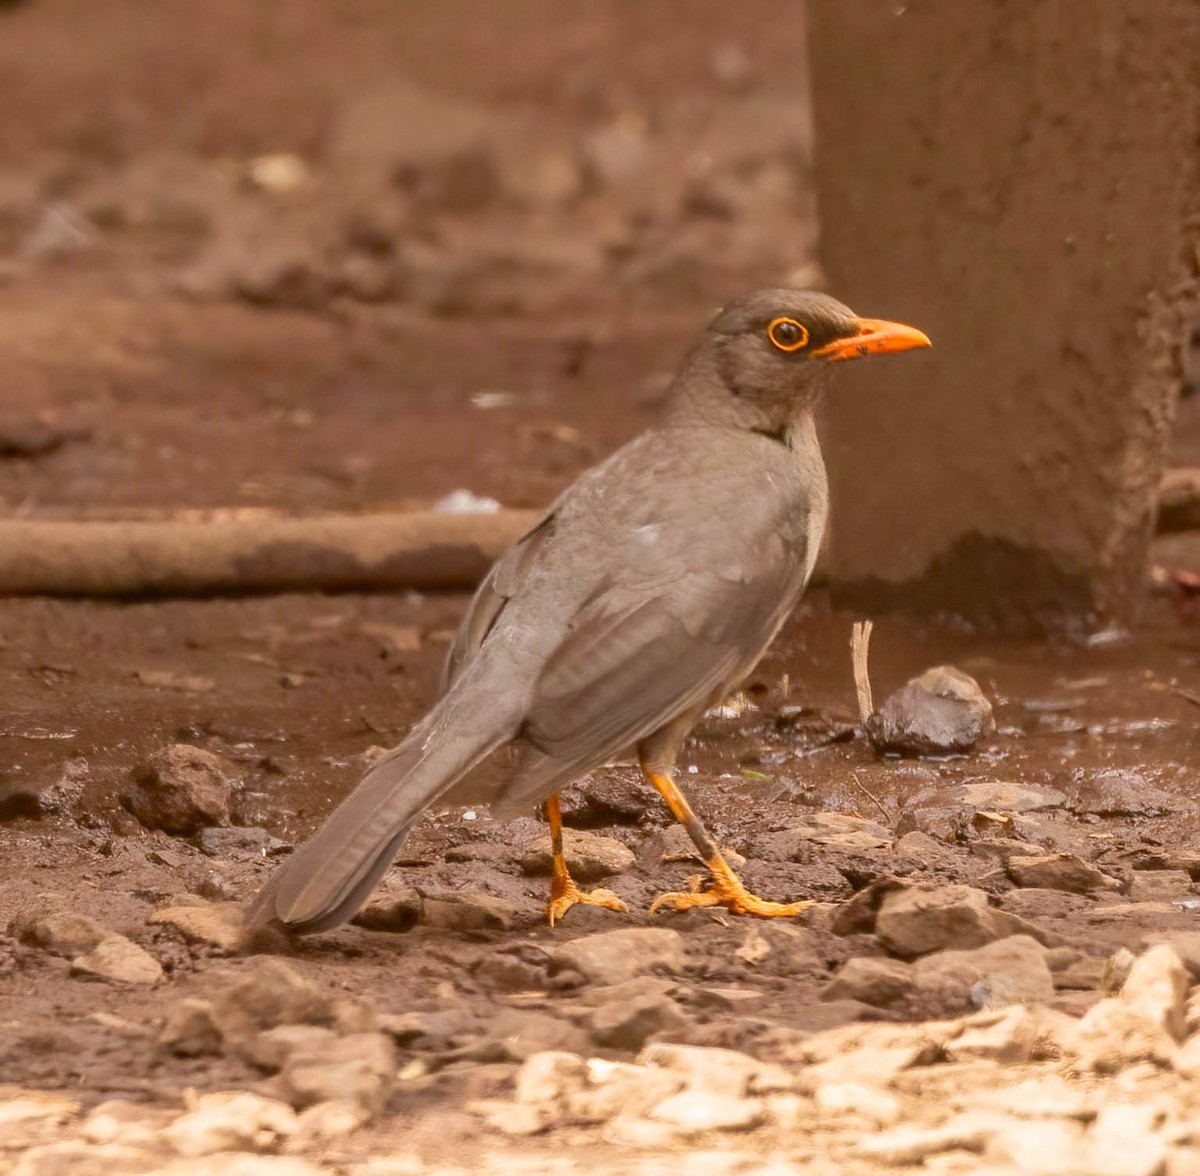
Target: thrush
[645, 595]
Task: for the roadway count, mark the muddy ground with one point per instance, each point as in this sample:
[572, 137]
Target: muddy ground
[182, 327]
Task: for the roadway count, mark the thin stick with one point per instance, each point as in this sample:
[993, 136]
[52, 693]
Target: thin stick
[860, 642]
[878, 803]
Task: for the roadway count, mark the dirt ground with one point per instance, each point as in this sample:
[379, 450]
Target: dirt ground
[185, 326]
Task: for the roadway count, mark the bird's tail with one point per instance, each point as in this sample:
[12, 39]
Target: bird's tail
[328, 879]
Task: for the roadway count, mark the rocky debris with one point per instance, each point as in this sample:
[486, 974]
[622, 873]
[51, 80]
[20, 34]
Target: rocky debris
[359, 1068]
[1006, 971]
[119, 960]
[719, 1071]
[42, 796]
[1121, 792]
[466, 911]
[128, 1124]
[873, 980]
[220, 925]
[239, 841]
[1146, 1021]
[231, 1121]
[590, 856]
[1160, 885]
[395, 911]
[627, 1024]
[189, 1029]
[693, 1111]
[939, 713]
[266, 994]
[182, 789]
[63, 933]
[610, 957]
[1059, 871]
[913, 921]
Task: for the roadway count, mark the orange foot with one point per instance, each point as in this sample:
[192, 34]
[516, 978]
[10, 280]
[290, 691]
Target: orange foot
[564, 894]
[726, 890]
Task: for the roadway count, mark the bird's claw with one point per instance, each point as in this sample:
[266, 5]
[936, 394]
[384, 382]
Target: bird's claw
[727, 891]
[565, 894]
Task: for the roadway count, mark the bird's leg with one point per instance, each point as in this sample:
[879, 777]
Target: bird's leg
[564, 893]
[726, 888]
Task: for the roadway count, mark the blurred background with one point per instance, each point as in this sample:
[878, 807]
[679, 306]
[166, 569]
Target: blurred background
[319, 255]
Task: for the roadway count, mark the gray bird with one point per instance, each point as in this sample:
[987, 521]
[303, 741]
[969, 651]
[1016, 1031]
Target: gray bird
[649, 590]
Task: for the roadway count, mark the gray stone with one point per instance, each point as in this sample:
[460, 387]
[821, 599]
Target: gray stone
[874, 980]
[589, 855]
[629, 1024]
[360, 1068]
[609, 957]
[265, 994]
[1059, 871]
[468, 912]
[941, 712]
[1006, 971]
[915, 921]
[182, 789]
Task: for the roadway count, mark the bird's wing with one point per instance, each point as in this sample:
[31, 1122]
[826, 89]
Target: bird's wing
[499, 586]
[636, 656]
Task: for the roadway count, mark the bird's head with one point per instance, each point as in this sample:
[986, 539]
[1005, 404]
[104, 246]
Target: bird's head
[771, 351]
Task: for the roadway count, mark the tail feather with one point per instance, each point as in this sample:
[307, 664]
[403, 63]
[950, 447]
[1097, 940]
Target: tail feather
[329, 877]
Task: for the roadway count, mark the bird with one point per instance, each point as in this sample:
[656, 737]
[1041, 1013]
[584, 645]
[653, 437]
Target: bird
[644, 595]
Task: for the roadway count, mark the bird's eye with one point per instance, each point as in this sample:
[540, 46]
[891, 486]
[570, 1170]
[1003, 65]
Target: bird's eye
[787, 334]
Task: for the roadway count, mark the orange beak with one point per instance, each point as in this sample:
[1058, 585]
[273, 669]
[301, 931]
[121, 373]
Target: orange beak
[874, 337]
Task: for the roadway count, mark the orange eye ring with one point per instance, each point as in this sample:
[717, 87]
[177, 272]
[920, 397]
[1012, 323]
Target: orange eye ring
[787, 334]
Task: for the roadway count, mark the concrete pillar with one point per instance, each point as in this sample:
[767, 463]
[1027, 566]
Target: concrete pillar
[1021, 180]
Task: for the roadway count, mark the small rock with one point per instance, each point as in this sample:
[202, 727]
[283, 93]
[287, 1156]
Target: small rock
[1123, 1141]
[221, 925]
[181, 790]
[1157, 989]
[62, 933]
[360, 1068]
[1006, 797]
[1059, 871]
[120, 960]
[1013, 1035]
[719, 1071]
[231, 1121]
[266, 994]
[468, 912]
[86, 1159]
[189, 1029]
[854, 1098]
[629, 1024]
[874, 980]
[590, 856]
[941, 712]
[1160, 885]
[617, 152]
[239, 841]
[911, 1145]
[550, 1076]
[1121, 792]
[1145, 1022]
[693, 1111]
[1048, 1147]
[1007, 971]
[272, 1047]
[329, 1120]
[616, 1089]
[914, 921]
[394, 911]
[610, 957]
[521, 1032]
[1186, 945]
[126, 1123]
